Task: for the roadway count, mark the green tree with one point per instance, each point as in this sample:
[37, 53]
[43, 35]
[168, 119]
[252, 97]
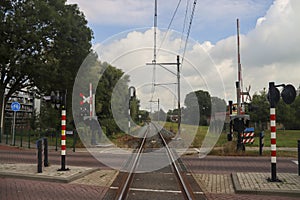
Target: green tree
[288, 115]
[42, 43]
[198, 107]
[111, 81]
[260, 109]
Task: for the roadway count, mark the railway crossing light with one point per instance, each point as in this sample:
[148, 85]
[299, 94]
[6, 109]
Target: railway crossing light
[288, 94]
[273, 94]
[57, 99]
[131, 91]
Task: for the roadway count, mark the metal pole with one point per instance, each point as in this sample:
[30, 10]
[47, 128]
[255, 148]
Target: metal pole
[273, 131]
[158, 110]
[91, 101]
[39, 156]
[21, 145]
[240, 79]
[155, 27]
[229, 136]
[6, 138]
[2, 128]
[298, 157]
[261, 143]
[74, 139]
[238, 95]
[129, 114]
[29, 134]
[131, 95]
[56, 140]
[63, 134]
[13, 142]
[46, 162]
[178, 90]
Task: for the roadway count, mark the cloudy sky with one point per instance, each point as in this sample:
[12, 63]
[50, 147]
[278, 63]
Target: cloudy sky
[270, 44]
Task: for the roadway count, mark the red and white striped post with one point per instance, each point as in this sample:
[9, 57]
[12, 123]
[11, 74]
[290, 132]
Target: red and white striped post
[63, 134]
[273, 143]
[272, 100]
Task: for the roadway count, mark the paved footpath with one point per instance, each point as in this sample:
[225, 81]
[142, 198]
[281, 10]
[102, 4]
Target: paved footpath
[219, 177]
[245, 177]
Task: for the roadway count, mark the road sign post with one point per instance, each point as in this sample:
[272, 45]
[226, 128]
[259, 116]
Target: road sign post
[15, 106]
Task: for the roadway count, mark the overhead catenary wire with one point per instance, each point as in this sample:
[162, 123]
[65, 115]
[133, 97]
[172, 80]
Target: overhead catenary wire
[188, 32]
[184, 22]
[170, 24]
[156, 51]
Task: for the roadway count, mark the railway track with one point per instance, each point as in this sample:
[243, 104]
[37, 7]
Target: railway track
[153, 172]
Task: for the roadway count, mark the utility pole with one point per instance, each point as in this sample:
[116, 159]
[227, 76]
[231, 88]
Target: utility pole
[178, 90]
[177, 64]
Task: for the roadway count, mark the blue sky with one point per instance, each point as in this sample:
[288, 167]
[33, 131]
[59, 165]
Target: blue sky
[213, 20]
[270, 41]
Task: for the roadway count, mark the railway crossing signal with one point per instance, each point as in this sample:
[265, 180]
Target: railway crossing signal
[59, 100]
[85, 112]
[132, 94]
[288, 95]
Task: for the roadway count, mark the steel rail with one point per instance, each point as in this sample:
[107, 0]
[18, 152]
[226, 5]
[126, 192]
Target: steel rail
[188, 195]
[123, 193]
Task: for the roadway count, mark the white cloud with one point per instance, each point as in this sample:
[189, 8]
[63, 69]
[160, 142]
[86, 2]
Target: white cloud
[269, 52]
[121, 12]
[132, 50]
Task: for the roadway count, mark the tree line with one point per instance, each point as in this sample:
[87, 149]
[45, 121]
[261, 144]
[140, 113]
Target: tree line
[286, 115]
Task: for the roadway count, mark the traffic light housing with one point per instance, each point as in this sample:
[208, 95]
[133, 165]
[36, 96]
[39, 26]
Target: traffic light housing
[288, 94]
[273, 94]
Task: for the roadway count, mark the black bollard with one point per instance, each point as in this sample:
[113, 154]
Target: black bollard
[39, 156]
[56, 140]
[261, 142]
[6, 138]
[74, 139]
[21, 145]
[29, 134]
[46, 163]
[298, 157]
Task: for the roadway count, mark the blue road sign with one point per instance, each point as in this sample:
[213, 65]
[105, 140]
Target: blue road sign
[15, 106]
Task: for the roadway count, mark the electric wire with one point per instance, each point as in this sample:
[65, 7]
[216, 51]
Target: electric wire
[156, 51]
[184, 23]
[170, 24]
[188, 32]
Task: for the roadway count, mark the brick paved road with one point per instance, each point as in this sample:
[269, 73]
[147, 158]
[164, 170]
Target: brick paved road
[210, 168]
[228, 164]
[213, 174]
[17, 189]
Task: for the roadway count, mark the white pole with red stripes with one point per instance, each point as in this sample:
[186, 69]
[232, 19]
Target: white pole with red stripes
[288, 95]
[63, 133]
[273, 142]
[272, 94]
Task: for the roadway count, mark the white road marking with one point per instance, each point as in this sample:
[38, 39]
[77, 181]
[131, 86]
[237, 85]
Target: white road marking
[295, 161]
[153, 190]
